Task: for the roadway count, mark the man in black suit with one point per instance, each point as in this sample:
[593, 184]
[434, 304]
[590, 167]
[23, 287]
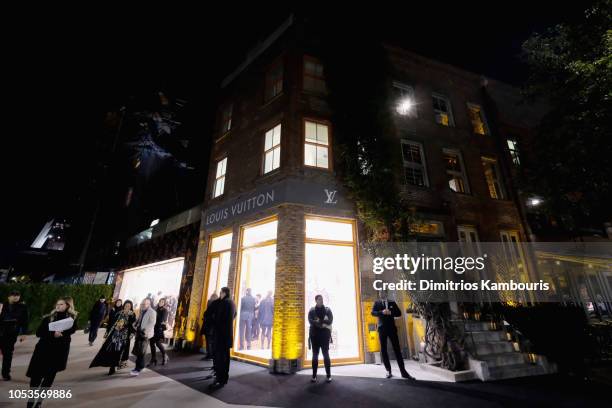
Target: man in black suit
[387, 310]
[223, 325]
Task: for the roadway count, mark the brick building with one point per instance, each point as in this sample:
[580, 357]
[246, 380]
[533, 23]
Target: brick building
[277, 220]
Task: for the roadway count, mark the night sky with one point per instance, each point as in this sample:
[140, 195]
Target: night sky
[65, 73]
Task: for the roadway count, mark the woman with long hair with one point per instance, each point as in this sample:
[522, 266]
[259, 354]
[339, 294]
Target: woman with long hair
[115, 349]
[158, 333]
[51, 352]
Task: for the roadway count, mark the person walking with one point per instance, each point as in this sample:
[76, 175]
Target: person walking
[223, 323]
[145, 327]
[158, 333]
[114, 350]
[13, 326]
[113, 314]
[320, 318]
[51, 352]
[386, 311]
[247, 312]
[96, 316]
[207, 327]
[266, 318]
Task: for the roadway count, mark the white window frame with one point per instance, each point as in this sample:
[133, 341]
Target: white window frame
[462, 174]
[483, 118]
[318, 145]
[273, 150]
[413, 165]
[446, 99]
[221, 171]
[515, 154]
[471, 243]
[405, 91]
[497, 182]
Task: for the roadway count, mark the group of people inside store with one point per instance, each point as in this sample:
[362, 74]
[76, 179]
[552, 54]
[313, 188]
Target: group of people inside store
[217, 329]
[146, 325]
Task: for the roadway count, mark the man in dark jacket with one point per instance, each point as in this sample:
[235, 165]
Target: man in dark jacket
[387, 310]
[223, 324]
[13, 325]
[96, 316]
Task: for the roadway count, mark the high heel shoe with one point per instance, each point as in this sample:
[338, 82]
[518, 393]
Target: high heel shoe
[165, 360]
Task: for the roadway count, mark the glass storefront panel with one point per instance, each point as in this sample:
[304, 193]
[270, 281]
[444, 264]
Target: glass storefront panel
[255, 300]
[330, 272]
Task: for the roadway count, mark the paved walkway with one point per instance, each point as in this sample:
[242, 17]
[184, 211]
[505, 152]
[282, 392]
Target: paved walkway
[181, 384]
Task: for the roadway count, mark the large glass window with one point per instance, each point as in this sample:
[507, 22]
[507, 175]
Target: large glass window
[255, 299]
[316, 145]
[272, 149]
[219, 264]
[330, 272]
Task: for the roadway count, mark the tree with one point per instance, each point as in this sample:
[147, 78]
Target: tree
[571, 69]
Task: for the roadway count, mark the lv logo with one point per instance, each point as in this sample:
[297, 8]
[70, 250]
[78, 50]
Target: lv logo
[331, 196]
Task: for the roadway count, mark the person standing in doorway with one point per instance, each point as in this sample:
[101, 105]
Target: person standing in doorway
[255, 323]
[386, 311]
[145, 330]
[13, 326]
[224, 315]
[247, 312]
[266, 318]
[96, 317]
[158, 333]
[320, 318]
[51, 352]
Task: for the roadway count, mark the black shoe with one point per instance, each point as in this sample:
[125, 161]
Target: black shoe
[408, 376]
[6, 377]
[152, 363]
[111, 371]
[389, 375]
[216, 385]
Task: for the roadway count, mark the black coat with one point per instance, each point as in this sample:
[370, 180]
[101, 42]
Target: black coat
[320, 329]
[223, 323]
[160, 322]
[386, 322]
[51, 353]
[97, 313]
[13, 319]
[209, 316]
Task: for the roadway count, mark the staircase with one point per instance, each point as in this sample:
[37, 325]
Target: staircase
[492, 357]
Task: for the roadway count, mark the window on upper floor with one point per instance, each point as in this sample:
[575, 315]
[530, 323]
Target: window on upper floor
[314, 76]
[403, 98]
[272, 149]
[493, 178]
[442, 110]
[514, 151]
[477, 117]
[226, 119]
[274, 80]
[455, 171]
[219, 186]
[413, 157]
[316, 144]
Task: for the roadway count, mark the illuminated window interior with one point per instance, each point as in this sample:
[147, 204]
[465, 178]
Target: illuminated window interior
[479, 125]
[514, 151]
[442, 110]
[272, 149]
[455, 173]
[219, 262]
[257, 273]
[219, 186]
[157, 280]
[316, 145]
[491, 173]
[330, 272]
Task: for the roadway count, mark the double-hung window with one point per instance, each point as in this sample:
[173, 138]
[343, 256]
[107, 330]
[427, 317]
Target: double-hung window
[492, 177]
[316, 145]
[477, 117]
[274, 80]
[219, 186]
[413, 157]
[442, 110]
[272, 149]
[455, 171]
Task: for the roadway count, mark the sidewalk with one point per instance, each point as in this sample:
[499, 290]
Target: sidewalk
[180, 384]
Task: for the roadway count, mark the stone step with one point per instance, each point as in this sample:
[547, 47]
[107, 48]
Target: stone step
[492, 347]
[515, 370]
[484, 336]
[502, 359]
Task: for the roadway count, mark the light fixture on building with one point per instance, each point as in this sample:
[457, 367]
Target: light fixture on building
[405, 106]
[154, 222]
[534, 201]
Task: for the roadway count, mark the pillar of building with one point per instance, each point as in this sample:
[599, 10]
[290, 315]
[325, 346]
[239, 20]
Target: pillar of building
[192, 324]
[288, 340]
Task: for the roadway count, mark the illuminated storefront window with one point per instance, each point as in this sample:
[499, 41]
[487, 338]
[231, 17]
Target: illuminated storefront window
[255, 291]
[331, 272]
[219, 262]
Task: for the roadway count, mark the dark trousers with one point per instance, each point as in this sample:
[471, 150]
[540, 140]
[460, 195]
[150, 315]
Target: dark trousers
[45, 382]
[93, 331]
[266, 334]
[391, 334]
[7, 346]
[245, 332]
[222, 364]
[141, 346]
[210, 345]
[324, 347]
[159, 342]
[140, 362]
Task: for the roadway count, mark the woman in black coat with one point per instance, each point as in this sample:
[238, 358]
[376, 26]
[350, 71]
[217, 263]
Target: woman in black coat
[113, 313]
[115, 349]
[320, 318]
[158, 333]
[51, 352]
